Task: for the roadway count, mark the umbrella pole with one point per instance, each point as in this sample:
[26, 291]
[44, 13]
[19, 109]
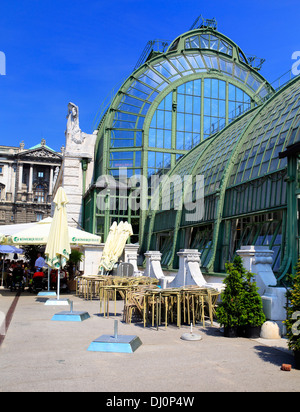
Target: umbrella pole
[2, 270]
[58, 283]
[48, 279]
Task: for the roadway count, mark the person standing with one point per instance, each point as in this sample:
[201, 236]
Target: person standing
[39, 263]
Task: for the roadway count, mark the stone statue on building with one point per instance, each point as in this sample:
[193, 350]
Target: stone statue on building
[78, 151]
[73, 130]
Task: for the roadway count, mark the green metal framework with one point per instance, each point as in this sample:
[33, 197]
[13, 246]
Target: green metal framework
[251, 193]
[166, 107]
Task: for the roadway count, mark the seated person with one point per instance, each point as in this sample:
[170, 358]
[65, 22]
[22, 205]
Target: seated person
[53, 277]
[38, 275]
[17, 277]
[18, 273]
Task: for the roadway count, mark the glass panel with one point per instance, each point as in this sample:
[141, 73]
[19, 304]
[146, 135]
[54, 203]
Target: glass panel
[161, 124]
[121, 159]
[158, 162]
[188, 115]
[180, 63]
[208, 41]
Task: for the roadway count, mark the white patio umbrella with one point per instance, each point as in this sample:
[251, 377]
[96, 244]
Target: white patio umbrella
[38, 233]
[116, 244]
[58, 245]
[10, 230]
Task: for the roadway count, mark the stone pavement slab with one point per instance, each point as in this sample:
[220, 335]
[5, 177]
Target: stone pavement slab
[39, 354]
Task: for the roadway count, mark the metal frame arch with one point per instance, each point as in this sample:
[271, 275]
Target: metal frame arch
[204, 30]
[223, 184]
[205, 142]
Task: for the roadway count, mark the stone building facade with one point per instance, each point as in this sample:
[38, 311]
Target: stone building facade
[27, 179]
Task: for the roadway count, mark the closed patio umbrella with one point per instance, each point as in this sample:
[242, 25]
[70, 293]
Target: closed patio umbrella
[58, 245]
[105, 262]
[124, 231]
[116, 244]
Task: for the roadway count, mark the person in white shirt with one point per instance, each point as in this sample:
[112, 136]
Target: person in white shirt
[39, 263]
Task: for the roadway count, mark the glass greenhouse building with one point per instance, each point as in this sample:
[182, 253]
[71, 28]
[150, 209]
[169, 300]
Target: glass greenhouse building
[199, 107]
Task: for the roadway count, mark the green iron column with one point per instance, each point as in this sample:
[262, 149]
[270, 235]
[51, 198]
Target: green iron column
[292, 193]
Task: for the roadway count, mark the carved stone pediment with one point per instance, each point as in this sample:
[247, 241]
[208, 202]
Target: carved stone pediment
[40, 153]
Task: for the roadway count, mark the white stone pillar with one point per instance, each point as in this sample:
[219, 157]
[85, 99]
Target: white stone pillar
[189, 269]
[51, 181]
[131, 255]
[153, 267]
[30, 179]
[9, 178]
[258, 260]
[20, 177]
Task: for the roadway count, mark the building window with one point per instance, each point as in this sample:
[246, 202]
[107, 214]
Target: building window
[39, 194]
[1, 169]
[41, 174]
[39, 217]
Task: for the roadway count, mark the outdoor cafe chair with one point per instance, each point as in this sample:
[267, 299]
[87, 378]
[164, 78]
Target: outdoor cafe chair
[125, 269]
[135, 305]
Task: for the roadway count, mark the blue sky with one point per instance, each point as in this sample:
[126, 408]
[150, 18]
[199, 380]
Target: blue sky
[58, 51]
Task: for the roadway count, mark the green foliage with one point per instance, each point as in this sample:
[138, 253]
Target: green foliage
[240, 302]
[31, 253]
[230, 308]
[252, 303]
[293, 307]
[75, 257]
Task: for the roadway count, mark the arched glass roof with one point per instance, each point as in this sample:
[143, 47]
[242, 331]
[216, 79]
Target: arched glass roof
[208, 41]
[247, 149]
[215, 54]
[272, 130]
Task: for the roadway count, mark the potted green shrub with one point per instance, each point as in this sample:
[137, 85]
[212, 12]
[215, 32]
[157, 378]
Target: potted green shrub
[293, 317]
[230, 310]
[241, 308]
[252, 316]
